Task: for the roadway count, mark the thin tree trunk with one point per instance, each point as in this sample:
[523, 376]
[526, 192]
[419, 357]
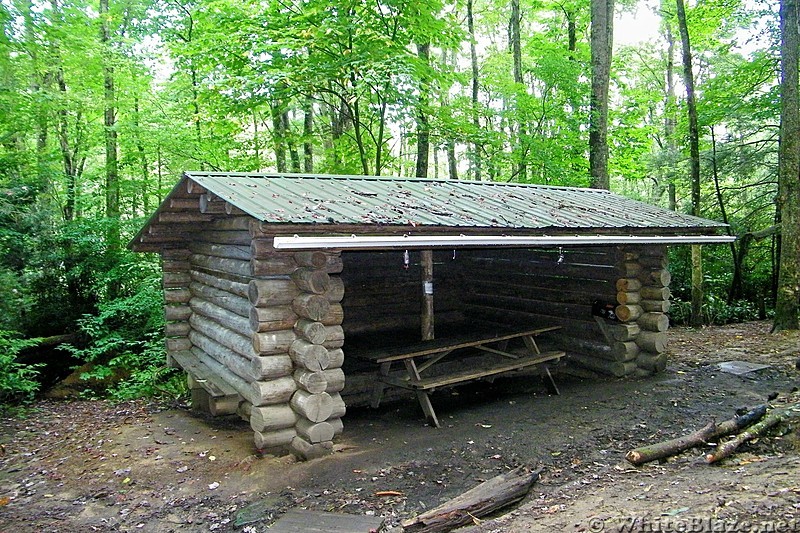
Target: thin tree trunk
[423, 125]
[256, 143]
[473, 54]
[145, 174]
[286, 127]
[308, 135]
[278, 138]
[519, 170]
[787, 303]
[694, 163]
[669, 117]
[736, 282]
[601, 44]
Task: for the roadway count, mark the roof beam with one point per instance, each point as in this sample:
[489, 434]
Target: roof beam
[388, 242]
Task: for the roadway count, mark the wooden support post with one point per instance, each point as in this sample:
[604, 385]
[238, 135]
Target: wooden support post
[426, 260]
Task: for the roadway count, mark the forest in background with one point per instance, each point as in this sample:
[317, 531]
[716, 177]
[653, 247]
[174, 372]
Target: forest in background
[104, 103]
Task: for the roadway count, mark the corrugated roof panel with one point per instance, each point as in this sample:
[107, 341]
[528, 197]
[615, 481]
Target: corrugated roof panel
[320, 199]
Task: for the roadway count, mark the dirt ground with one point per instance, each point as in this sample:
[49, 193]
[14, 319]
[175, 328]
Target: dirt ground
[96, 466]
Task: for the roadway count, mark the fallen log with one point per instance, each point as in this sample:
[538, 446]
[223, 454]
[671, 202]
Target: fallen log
[702, 436]
[726, 449]
[484, 499]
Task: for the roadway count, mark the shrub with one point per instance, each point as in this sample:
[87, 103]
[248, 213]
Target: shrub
[17, 380]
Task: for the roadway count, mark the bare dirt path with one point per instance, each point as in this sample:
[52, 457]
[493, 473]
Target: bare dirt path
[95, 466]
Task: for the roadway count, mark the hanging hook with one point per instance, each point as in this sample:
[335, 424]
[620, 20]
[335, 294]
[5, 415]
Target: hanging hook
[406, 260]
[454, 254]
[560, 255]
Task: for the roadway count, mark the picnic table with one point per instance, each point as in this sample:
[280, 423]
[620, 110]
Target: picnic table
[419, 359]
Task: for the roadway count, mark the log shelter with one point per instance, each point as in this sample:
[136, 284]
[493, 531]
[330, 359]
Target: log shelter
[289, 295]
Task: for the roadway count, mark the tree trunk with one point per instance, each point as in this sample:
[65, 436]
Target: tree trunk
[696, 318]
[520, 169]
[278, 138]
[787, 303]
[601, 44]
[473, 54]
[308, 135]
[286, 127]
[423, 125]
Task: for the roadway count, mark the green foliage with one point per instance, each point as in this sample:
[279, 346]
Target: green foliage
[124, 344]
[17, 380]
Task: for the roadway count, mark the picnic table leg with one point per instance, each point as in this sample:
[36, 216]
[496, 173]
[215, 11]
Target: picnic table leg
[548, 380]
[427, 408]
[377, 389]
[422, 395]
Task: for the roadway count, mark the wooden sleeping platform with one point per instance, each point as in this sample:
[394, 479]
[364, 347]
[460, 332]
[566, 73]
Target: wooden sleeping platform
[419, 359]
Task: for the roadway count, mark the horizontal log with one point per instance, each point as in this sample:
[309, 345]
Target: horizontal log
[229, 251]
[654, 293]
[273, 318]
[651, 341]
[655, 306]
[628, 298]
[175, 280]
[272, 292]
[238, 288]
[169, 265]
[335, 315]
[628, 313]
[337, 424]
[177, 312]
[513, 303]
[314, 432]
[178, 344]
[659, 278]
[274, 439]
[176, 329]
[311, 382]
[628, 285]
[238, 237]
[652, 362]
[278, 264]
[334, 263]
[233, 223]
[244, 410]
[335, 291]
[624, 332]
[313, 332]
[334, 337]
[654, 321]
[170, 217]
[222, 264]
[654, 262]
[306, 450]
[234, 341]
[226, 300]
[255, 369]
[310, 280]
[335, 380]
[335, 358]
[175, 254]
[339, 409]
[311, 306]
[616, 369]
[313, 357]
[314, 407]
[546, 274]
[312, 259]
[210, 204]
[258, 393]
[631, 269]
[273, 342]
[224, 317]
[184, 203]
[625, 351]
[261, 247]
[270, 418]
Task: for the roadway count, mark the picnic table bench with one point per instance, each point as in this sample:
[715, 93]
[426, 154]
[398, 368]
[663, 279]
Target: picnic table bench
[419, 358]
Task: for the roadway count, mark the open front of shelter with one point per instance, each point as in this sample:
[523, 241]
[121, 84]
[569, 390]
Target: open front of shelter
[288, 297]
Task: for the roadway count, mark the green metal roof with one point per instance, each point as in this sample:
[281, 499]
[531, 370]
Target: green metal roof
[327, 201]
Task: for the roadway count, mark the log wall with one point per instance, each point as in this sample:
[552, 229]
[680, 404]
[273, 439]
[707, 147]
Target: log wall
[552, 287]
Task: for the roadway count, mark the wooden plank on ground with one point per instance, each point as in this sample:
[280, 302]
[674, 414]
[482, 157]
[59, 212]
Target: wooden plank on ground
[304, 521]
